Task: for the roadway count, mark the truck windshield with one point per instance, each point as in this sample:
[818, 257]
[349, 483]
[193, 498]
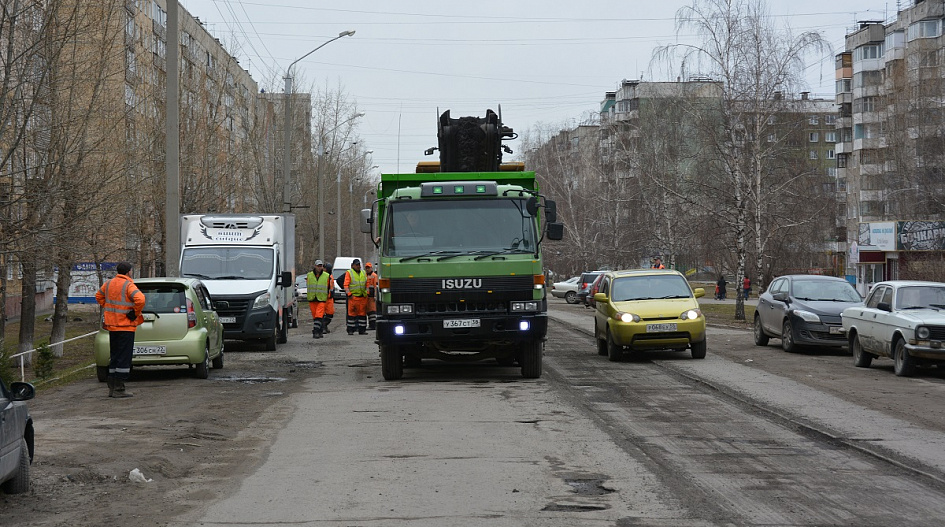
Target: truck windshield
[462, 226]
[230, 263]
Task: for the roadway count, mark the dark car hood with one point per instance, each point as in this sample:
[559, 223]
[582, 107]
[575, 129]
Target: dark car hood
[828, 311]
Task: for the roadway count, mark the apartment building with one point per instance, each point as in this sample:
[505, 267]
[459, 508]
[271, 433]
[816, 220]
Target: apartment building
[890, 84]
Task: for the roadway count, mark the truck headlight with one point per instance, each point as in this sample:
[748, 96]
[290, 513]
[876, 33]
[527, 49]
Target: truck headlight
[922, 332]
[399, 309]
[528, 306]
[261, 301]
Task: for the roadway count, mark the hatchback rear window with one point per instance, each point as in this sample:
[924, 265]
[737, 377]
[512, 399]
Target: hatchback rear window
[163, 299]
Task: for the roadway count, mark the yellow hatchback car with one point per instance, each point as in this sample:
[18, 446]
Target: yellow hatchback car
[648, 309]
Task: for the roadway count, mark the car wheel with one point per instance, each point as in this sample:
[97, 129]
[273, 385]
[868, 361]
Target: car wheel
[218, 361]
[202, 369]
[614, 352]
[904, 364]
[102, 373]
[698, 350]
[787, 337]
[760, 338]
[861, 359]
[531, 359]
[392, 362]
[20, 482]
[601, 343]
[570, 297]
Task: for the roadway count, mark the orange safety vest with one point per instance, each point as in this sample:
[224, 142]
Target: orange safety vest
[118, 296]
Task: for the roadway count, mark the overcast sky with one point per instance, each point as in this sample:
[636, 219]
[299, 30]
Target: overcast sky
[546, 62]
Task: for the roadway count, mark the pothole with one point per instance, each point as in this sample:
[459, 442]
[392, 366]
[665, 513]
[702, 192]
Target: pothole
[564, 507]
[307, 365]
[250, 380]
[588, 487]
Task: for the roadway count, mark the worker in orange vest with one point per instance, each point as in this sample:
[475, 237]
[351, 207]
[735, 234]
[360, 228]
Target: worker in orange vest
[658, 263]
[372, 282]
[356, 291]
[122, 303]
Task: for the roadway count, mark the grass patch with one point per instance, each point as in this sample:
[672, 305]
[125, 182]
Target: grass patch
[724, 314]
[51, 372]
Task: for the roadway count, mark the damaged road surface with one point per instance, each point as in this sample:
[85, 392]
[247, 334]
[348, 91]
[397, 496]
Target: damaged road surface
[312, 435]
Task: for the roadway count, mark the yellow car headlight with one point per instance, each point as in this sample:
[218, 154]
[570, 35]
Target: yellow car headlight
[627, 317]
[690, 314]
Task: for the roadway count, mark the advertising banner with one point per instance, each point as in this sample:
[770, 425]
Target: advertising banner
[921, 236]
[877, 236]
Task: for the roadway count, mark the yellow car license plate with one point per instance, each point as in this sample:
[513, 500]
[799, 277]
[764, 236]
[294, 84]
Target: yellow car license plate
[660, 328]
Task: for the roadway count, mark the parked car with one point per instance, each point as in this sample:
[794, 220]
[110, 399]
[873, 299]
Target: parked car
[301, 287]
[648, 309]
[804, 310]
[16, 437]
[566, 290]
[592, 290]
[180, 326]
[584, 285]
[903, 320]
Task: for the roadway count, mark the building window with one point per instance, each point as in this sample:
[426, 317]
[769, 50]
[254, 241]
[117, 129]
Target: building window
[814, 120]
[830, 119]
[813, 154]
[925, 29]
[844, 85]
[841, 160]
[814, 137]
[869, 51]
[831, 154]
[772, 138]
[830, 137]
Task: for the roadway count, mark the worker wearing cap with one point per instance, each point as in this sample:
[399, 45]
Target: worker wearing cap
[372, 294]
[356, 291]
[318, 295]
[330, 304]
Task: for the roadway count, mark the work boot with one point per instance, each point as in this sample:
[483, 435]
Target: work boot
[316, 335]
[111, 386]
[119, 391]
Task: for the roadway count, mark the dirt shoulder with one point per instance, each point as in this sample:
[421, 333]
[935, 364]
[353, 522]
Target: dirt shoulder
[193, 438]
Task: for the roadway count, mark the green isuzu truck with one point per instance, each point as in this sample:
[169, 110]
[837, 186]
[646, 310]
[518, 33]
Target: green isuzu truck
[459, 249]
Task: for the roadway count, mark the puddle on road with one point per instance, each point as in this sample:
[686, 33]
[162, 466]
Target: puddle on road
[588, 487]
[250, 380]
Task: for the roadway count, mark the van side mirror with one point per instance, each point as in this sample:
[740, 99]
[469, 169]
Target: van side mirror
[551, 211]
[555, 231]
[366, 221]
[285, 279]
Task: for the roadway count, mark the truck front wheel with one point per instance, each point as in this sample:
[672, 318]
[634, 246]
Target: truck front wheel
[392, 362]
[283, 330]
[531, 359]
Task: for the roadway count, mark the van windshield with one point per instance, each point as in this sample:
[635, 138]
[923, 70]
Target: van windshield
[228, 263]
[462, 226]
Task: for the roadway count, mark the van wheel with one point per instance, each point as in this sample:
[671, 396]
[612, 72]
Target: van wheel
[283, 332]
[271, 341]
[531, 359]
[102, 373]
[392, 362]
[20, 482]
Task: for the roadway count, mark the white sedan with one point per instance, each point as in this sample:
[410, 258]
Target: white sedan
[901, 319]
[566, 290]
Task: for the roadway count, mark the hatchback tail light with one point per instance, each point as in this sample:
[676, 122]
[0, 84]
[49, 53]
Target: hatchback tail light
[191, 315]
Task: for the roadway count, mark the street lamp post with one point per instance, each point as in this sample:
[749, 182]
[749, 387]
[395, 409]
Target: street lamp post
[286, 158]
[321, 187]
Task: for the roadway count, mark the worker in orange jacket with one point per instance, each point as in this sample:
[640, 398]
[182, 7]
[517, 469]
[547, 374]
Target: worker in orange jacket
[372, 283]
[122, 303]
[357, 293]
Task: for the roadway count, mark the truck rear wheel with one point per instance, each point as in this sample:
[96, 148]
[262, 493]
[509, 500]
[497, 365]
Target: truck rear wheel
[531, 359]
[392, 362]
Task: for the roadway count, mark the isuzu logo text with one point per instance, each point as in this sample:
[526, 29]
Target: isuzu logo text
[461, 283]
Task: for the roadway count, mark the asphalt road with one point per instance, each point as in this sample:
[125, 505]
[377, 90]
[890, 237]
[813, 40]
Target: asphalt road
[748, 436]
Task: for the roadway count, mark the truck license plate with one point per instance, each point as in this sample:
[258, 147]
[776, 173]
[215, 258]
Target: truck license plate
[659, 328]
[461, 323]
[228, 320]
[149, 350]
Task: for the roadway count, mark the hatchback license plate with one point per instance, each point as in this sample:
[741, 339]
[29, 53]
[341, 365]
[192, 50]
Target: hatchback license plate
[228, 320]
[461, 323]
[836, 330]
[149, 350]
[659, 328]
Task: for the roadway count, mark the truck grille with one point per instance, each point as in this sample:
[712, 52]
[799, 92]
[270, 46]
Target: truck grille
[490, 297]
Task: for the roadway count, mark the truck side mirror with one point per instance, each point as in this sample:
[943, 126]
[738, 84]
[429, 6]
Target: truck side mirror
[551, 211]
[285, 279]
[531, 205]
[555, 231]
[366, 221]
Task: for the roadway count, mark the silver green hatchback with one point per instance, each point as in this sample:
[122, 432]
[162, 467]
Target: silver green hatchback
[180, 327]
